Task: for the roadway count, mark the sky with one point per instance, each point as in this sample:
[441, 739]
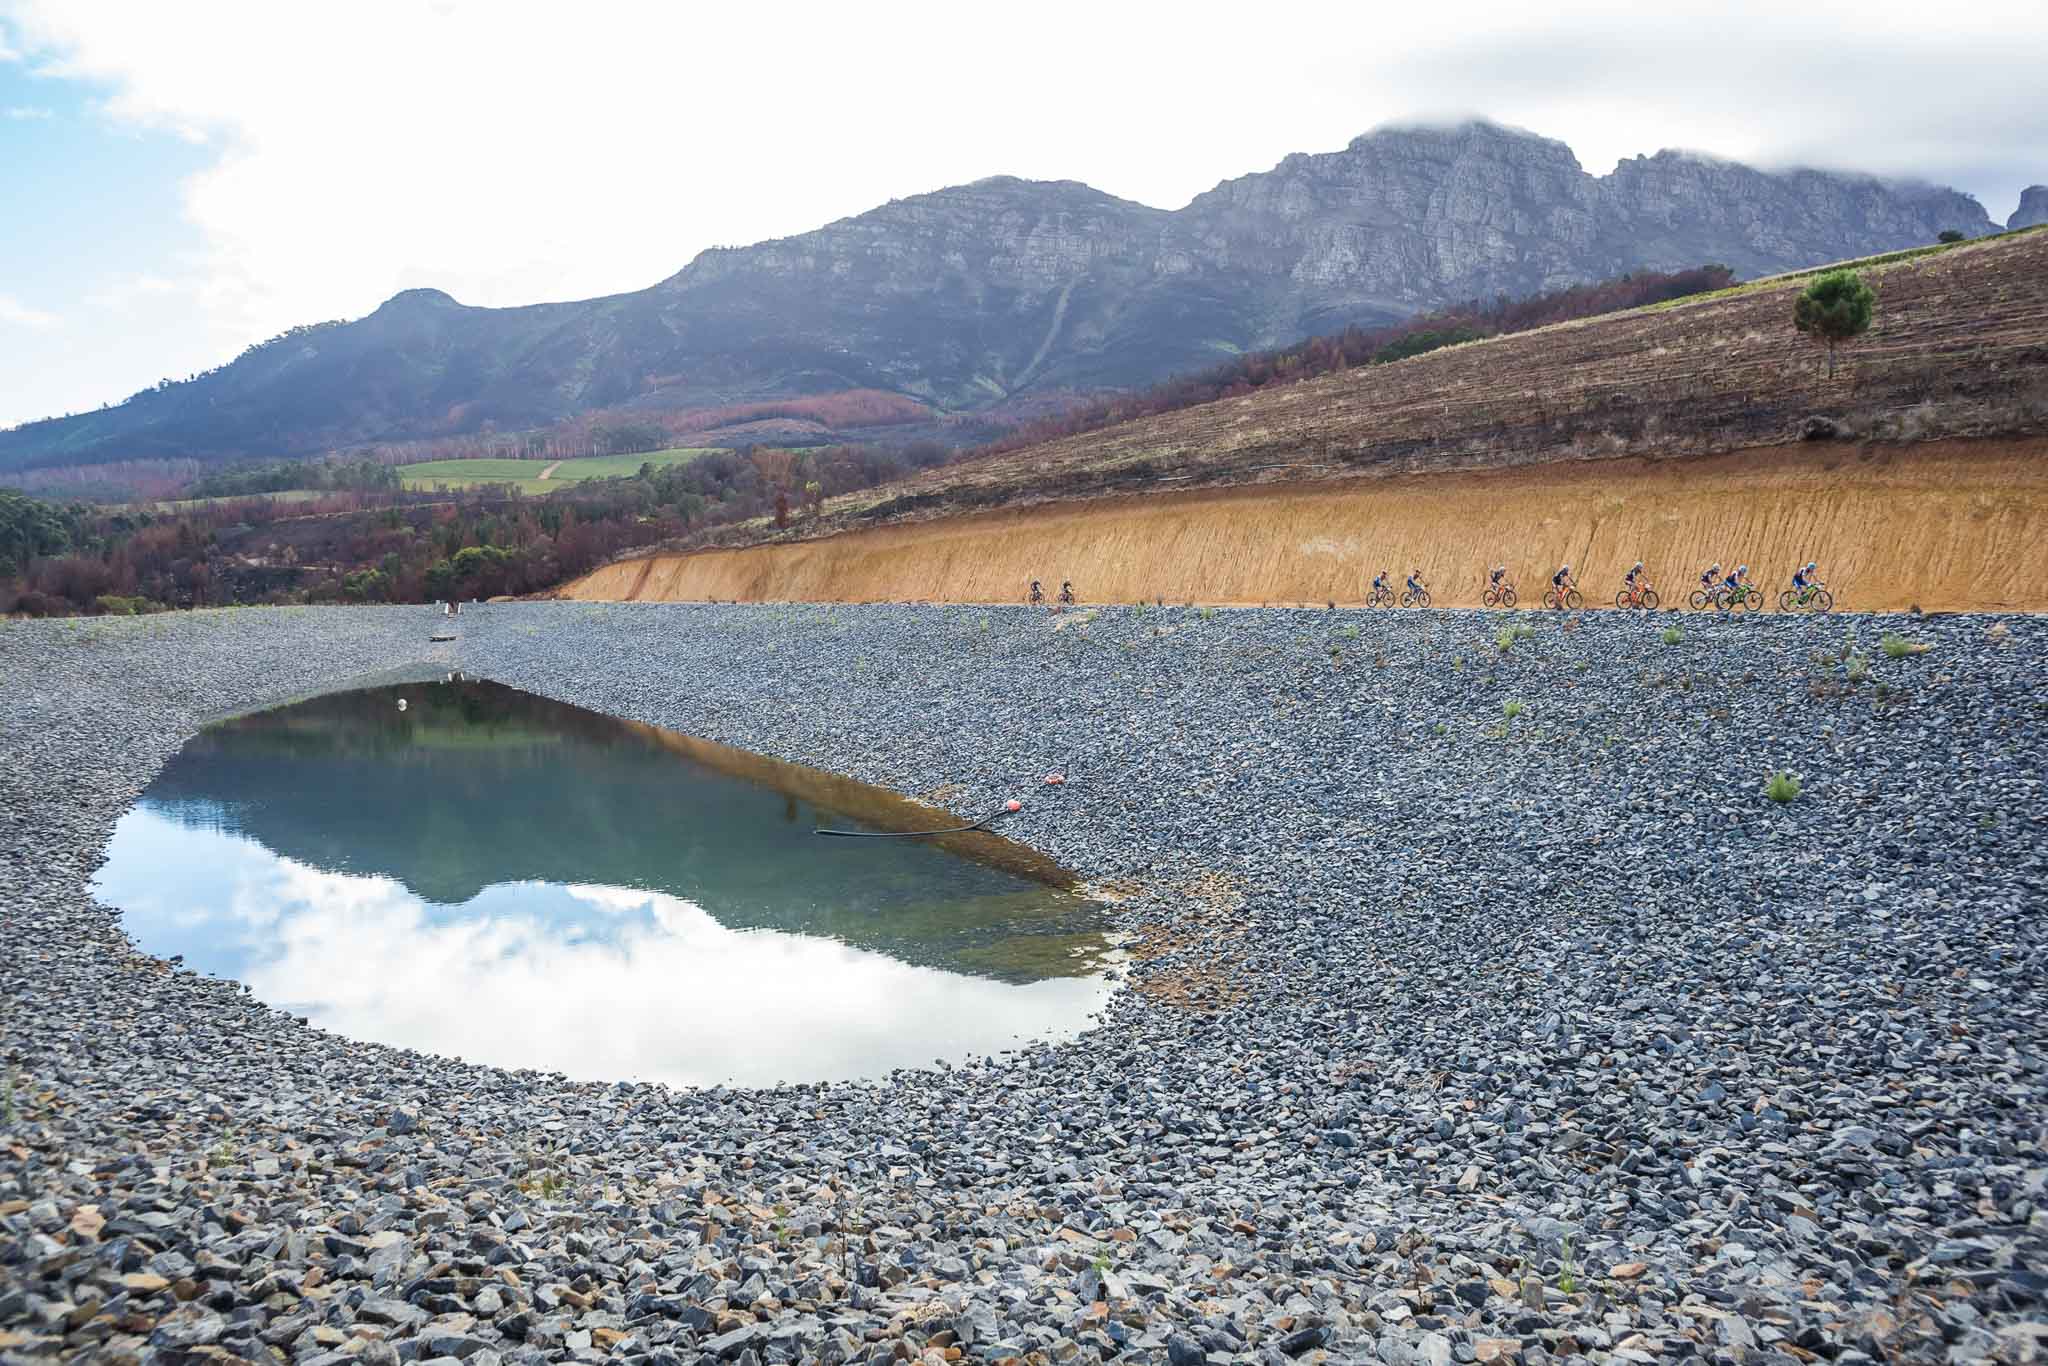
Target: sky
[180, 181]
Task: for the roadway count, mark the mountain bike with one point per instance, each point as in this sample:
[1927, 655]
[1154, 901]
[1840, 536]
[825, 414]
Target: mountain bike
[1642, 596]
[1415, 597]
[1812, 600]
[1737, 599]
[1571, 600]
[1504, 596]
[1703, 598]
[1380, 597]
[1066, 594]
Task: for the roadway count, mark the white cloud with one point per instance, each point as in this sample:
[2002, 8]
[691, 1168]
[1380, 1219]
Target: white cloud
[14, 311]
[657, 989]
[25, 113]
[508, 152]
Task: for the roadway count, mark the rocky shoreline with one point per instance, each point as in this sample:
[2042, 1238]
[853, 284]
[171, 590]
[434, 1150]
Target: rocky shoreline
[1453, 1035]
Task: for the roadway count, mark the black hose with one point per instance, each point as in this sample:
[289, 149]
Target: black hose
[913, 834]
[1067, 772]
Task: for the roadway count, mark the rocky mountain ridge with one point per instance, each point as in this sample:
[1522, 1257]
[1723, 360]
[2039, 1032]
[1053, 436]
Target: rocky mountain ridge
[2033, 209]
[978, 295]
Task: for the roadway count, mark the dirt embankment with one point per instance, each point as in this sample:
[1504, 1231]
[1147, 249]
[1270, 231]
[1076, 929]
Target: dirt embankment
[1949, 526]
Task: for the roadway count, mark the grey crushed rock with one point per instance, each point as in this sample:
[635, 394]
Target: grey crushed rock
[1459, 1038]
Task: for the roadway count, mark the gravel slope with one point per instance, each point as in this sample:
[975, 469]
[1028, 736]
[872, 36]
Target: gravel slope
[1452, 1038]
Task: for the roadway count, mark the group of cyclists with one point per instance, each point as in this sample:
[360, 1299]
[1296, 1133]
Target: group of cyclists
[1725, 591]
[1718, 589]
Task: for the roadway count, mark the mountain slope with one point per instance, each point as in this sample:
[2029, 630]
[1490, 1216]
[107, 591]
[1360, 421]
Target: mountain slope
[979, 294]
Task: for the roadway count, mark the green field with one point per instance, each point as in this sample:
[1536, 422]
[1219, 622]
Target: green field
[282, 496]
[525, 474]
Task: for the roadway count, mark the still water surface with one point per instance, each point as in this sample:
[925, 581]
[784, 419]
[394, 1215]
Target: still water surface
[504, 878]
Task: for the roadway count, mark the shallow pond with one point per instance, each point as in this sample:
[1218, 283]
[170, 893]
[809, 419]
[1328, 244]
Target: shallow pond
[500, 877]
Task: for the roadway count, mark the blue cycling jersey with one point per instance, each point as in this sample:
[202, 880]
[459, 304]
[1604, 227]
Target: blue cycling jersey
[1799, 579]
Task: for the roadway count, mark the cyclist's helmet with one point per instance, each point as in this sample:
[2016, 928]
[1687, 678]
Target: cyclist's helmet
[1812, 565]
[1639, 564]
[1567, 569]
[1742, 569]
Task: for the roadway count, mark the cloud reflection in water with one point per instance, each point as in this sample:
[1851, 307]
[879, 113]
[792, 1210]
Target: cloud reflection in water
[600, 983]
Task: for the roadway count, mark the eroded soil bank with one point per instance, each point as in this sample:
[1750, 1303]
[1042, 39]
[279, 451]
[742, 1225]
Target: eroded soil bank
[1946, 526]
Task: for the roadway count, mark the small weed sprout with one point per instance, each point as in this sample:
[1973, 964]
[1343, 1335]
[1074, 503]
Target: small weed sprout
[1896, 646]
[1567, 1267]
[1858, 669]
[1441, 730]
[1782, 786]
[1349, 633]
[1671, 635]
[1206, 613]
[1511, 709]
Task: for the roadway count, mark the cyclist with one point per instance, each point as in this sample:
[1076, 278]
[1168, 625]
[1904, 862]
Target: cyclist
[1635, 582]
[1067, 591]
[1803, 581]
[1379, 585]
[1415, 583]
[1561, 581]
[1494, 576]
[1737, 584]
[1037, 593]
[1707, 579]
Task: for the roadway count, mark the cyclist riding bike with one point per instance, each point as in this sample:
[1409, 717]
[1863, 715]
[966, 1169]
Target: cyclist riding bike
[1379, 585]
[1067, 591]
[1803, 581]
[1563, 582]
[1415, 582]
[1736, 585]
[1037, 593]
[1495, 574]
[1713, 572]
[1635, 583]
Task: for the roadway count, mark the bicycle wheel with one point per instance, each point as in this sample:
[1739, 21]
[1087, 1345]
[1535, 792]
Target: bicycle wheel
[1573, 599]
[1422, 597]
[1621, 600]
[1823, 601]
[1650, 599]
[1550, 598]
[1490, 598]
[1754, 601]
[1507, 597]
[1698, 600]
[1785, 601]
